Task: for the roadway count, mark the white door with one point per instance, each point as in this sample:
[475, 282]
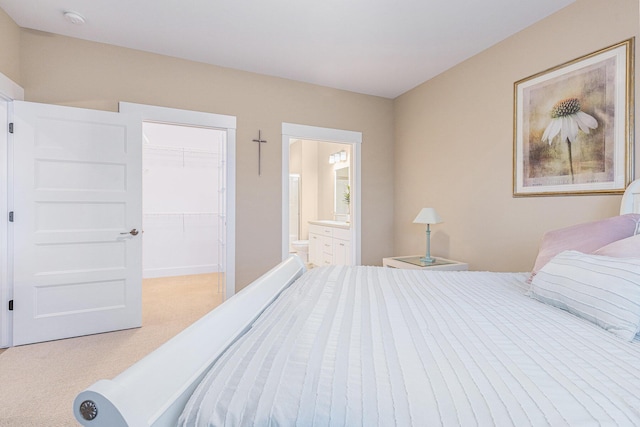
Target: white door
[76, 225]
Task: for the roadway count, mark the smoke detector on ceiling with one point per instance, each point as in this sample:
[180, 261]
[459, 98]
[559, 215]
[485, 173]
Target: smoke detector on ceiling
[74, 17]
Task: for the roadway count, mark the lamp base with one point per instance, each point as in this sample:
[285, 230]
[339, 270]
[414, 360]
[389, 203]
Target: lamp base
[427, 260]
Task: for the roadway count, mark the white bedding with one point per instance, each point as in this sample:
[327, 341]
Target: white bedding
[370, 346]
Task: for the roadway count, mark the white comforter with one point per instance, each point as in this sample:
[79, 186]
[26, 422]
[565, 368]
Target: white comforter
[370, 346]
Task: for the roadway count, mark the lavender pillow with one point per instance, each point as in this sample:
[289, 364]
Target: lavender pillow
[585, 238]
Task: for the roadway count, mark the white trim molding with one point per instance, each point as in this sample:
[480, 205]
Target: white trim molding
[9, 91]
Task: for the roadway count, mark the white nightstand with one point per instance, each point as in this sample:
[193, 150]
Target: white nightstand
[413, 262]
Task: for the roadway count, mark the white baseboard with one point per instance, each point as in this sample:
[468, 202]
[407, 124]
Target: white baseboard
[151, 273]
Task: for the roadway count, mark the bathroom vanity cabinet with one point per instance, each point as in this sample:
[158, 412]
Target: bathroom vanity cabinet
[329, 243]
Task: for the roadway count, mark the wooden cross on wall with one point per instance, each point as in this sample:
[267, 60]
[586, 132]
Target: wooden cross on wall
[260, 141]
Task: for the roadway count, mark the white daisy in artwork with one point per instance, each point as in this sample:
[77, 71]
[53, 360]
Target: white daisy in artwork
[567, 120]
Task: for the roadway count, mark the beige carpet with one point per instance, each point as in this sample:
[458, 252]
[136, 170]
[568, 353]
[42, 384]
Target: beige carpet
[38, 382]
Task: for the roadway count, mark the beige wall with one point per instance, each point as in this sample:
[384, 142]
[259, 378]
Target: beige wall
[9, 47]
[73, 72]
[454, 144]
[453, 134]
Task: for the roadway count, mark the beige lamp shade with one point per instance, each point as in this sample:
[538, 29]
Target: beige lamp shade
[428, 216]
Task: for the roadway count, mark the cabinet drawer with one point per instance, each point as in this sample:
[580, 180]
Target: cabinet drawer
[316, 229]
[327, 259]
[327, 245]
[341, 243]
[342, 234]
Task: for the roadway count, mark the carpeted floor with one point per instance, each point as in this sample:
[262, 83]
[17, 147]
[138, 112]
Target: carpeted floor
[38, 382]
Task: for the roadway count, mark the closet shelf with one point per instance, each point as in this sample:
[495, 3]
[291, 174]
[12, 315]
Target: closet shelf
[180, 150]
[181, 219]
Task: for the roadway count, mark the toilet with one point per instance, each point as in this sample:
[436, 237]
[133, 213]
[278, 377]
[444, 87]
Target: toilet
[302, 249]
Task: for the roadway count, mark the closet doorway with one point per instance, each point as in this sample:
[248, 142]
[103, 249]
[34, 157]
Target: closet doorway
[188, 194]
[183, 180]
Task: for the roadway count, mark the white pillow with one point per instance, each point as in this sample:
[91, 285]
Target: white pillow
[604, 290]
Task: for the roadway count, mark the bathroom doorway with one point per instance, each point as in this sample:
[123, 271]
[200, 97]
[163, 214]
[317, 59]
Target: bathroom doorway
[321, 188]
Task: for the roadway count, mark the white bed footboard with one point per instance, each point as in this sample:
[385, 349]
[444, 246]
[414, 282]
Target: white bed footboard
[154, 391]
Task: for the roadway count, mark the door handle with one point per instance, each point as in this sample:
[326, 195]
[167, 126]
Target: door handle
[133, 232]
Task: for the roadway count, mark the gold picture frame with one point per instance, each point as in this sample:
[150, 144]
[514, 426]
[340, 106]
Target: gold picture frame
[573, 126]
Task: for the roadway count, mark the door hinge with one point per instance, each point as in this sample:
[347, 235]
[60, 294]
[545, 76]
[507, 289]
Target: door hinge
[11, 216]
[10, 127]
[11, 305]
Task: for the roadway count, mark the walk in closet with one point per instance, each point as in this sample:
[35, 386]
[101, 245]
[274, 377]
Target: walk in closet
[183, 200]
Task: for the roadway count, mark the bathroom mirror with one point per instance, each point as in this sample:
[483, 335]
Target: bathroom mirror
[342, 194]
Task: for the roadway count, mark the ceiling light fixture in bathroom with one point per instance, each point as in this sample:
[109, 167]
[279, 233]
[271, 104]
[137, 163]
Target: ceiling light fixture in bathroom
[74, 17]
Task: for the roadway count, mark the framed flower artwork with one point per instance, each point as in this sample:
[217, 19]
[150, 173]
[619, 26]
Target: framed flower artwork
[573, 126]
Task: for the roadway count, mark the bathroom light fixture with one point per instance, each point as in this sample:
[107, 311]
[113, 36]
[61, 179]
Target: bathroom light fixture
[428, 216]
[340, 156]
[74, 17]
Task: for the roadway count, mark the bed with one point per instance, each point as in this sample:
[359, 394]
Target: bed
[378, 346]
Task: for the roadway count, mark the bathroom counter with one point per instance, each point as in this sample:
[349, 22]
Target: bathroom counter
[330, 223]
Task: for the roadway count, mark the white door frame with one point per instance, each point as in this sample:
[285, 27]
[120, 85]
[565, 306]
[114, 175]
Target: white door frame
[9, 91]
[227, 123]
[294, 131]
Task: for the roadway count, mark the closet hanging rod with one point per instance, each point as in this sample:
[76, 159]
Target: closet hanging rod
[180, 213]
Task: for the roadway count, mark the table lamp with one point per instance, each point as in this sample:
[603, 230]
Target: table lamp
[428, 216]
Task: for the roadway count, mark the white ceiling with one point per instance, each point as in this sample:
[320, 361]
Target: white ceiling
[376, 47]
